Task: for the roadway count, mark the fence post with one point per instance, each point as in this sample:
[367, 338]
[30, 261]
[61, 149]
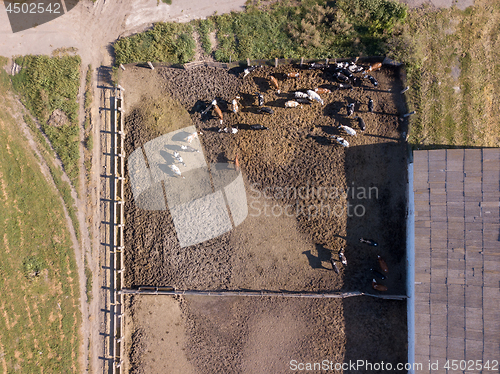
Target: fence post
[301, 61]
[275, 62]
[122, 67]
[248, 62]
[326, 60]
[229, 58]
[151, 65]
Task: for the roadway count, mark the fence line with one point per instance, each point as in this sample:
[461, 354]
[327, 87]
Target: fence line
[269, 62]
[117, 222]
[146, 290]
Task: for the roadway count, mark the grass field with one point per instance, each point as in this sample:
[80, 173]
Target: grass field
[39, 314]
[453, 67]
[47, 84]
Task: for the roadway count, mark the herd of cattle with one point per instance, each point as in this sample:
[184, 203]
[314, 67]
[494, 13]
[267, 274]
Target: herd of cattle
[343, 73]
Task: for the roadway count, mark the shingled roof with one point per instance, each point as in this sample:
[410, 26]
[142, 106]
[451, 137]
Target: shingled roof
[457, 256]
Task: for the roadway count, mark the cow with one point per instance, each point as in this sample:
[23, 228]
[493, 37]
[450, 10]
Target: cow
[249, 70]
[376, 66]
[187, 148]
[274, 81]
[342, 257]
[258, 127]
[228, 130]
[214, 102]
[293, 74]
[236, 163]
[348, 130]
[370, 105]
[219, 112]
[372, 80]
[361, 123]
[321, 90]
[301, 95]
[341, 77]
[382, 264]
[353, 68]
[343, 86]
[291, 104]
[176, 171]
[303, 101]
[235, 107]
[178, 157]
[371, 242]
[314, 96]
[261, 98]
[315, 65]
[334, 265]
[377, 274]
[341, 141]
[350, 109]
[266, 110]
[378, 287]
[191, 137]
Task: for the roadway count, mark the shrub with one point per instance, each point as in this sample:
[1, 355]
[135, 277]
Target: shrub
[31, 267]
[165, 42]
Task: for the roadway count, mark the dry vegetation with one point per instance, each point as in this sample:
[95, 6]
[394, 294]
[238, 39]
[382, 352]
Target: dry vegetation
[453, 66]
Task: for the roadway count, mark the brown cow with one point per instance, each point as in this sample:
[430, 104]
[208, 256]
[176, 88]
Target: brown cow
[274, 81]
[219, 112]
[383, 265]
[293, 74]
[322, 90]
[375, 66]
[378, 287]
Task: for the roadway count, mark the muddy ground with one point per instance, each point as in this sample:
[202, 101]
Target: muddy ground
[276, 248]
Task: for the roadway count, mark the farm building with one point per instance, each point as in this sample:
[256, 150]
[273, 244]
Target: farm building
[454, 304]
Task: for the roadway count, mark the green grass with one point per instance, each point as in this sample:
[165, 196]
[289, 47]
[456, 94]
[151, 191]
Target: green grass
[205, 27]
[314, 29]
[50, 83]
[165, 42]
[452, 63]
[39, 315]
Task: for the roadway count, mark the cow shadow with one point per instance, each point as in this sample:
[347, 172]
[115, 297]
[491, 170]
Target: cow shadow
[199, 106]
[320, 139]
[262, 84]
[169, 159]
[314, 261]
[278, 103]
[333, 109]
[248, 99]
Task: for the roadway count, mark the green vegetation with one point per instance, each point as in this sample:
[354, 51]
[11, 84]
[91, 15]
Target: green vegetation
[205, 27]
[452, 64]
[315, 29]
[49, 88]
[165, 42]
[39, 315]
[31, 267]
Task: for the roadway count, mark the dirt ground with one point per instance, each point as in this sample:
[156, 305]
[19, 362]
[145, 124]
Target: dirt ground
[272, 250]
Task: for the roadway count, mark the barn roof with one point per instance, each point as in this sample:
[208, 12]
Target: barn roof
[457, 255]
